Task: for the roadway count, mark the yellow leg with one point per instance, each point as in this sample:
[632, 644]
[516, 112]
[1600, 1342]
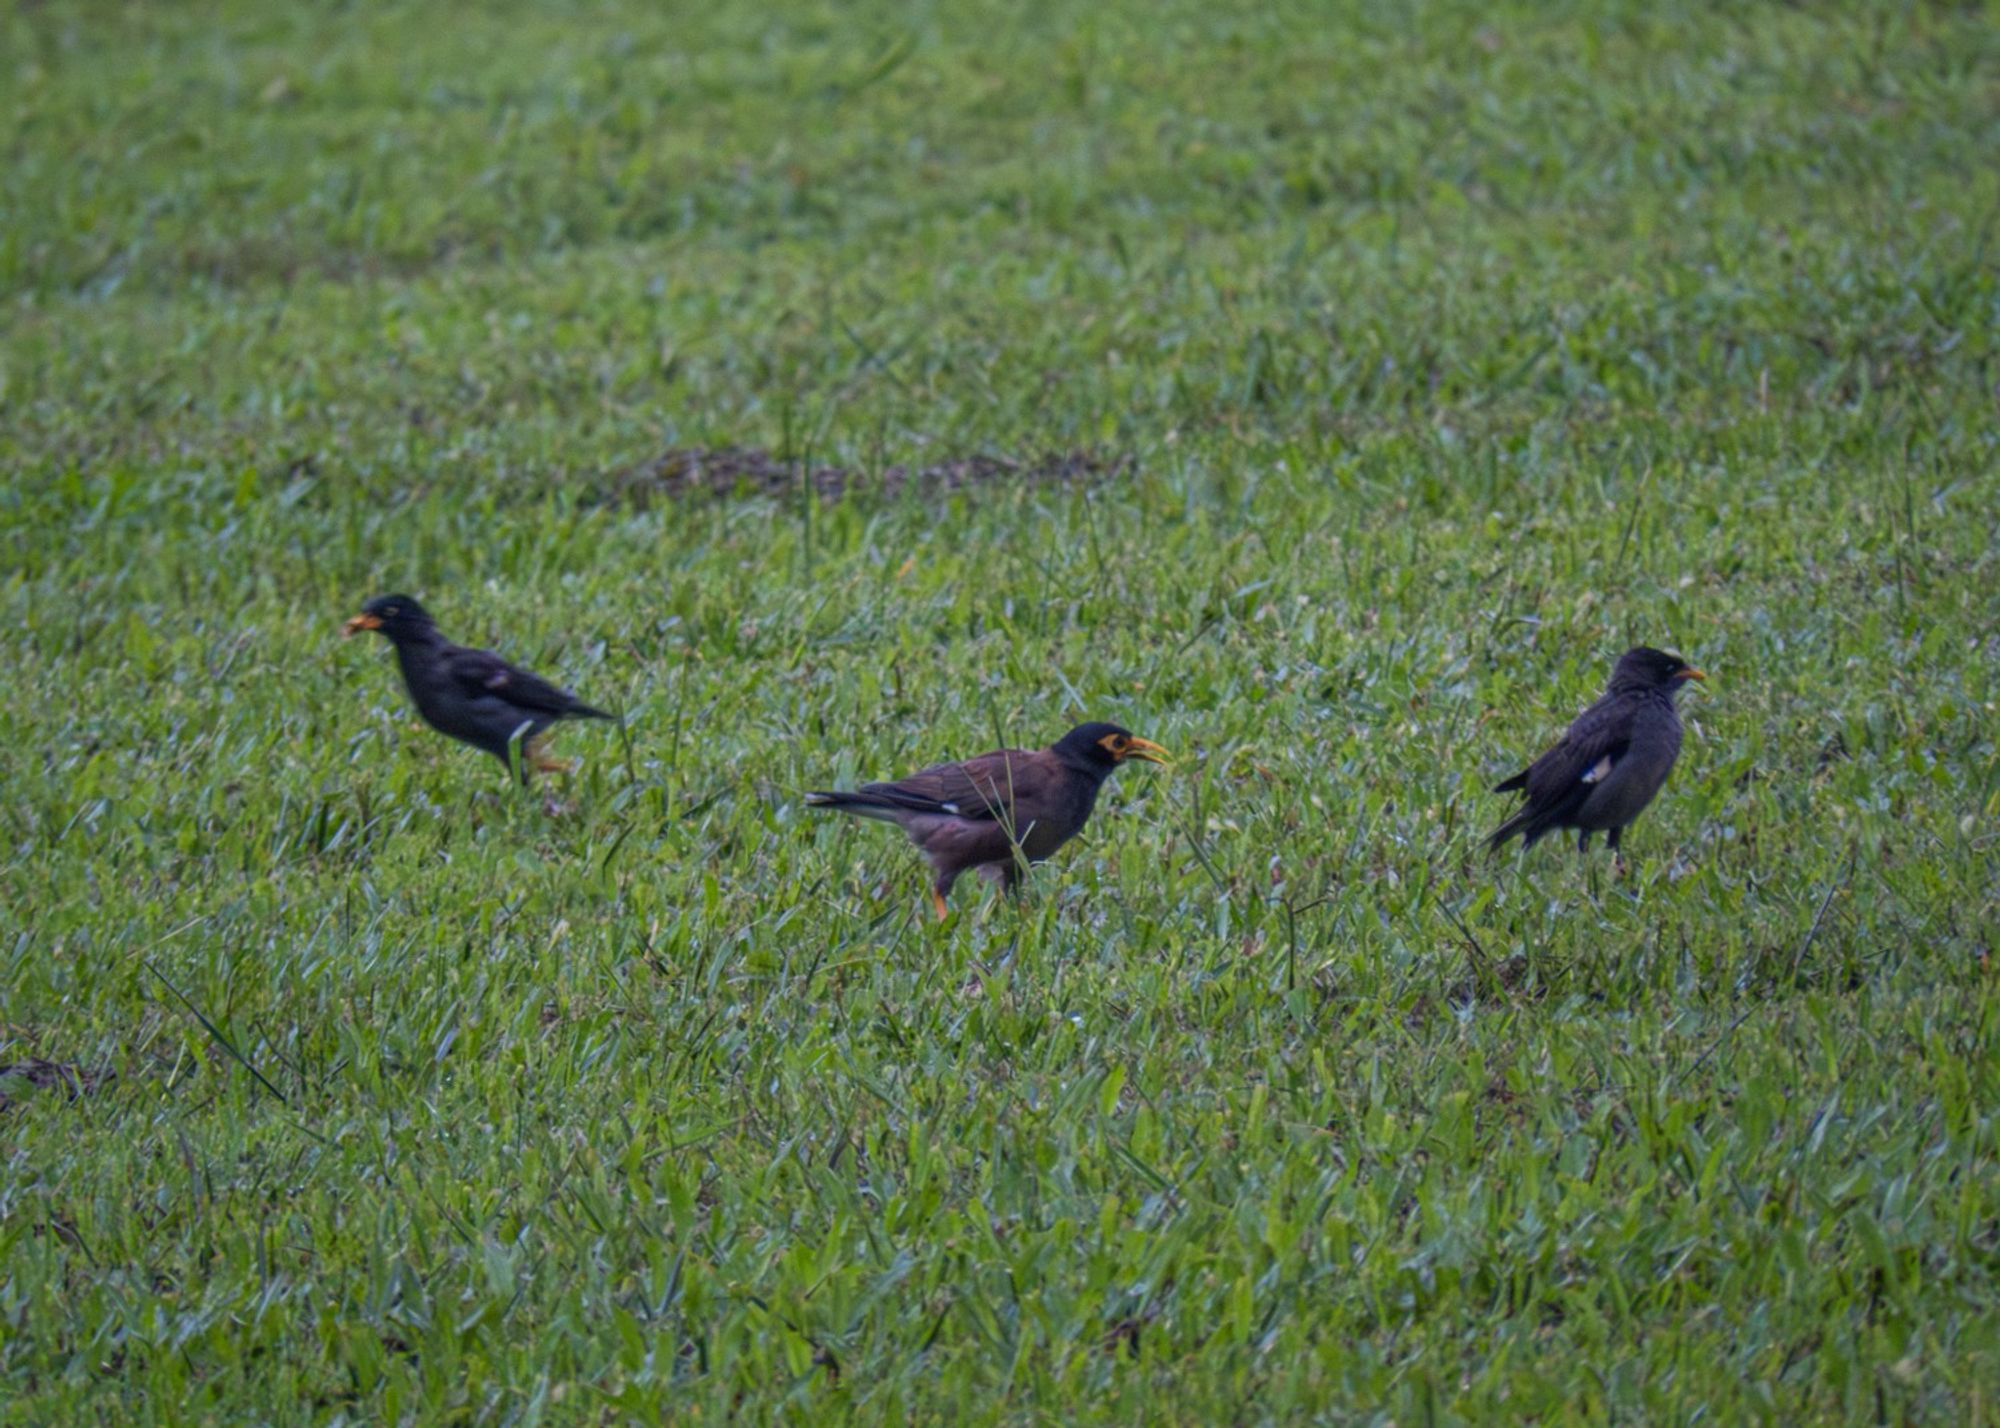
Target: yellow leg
[542, 761]
[937, 901]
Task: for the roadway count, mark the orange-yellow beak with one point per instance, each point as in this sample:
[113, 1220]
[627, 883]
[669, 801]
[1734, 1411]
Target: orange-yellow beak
[359, 623]
[1691, 673]
[1145, 749]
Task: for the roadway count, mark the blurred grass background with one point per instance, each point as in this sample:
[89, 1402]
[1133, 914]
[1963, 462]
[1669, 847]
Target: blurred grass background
[1443, 350]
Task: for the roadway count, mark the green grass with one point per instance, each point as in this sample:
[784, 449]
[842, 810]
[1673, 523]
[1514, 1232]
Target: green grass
[1452, 347]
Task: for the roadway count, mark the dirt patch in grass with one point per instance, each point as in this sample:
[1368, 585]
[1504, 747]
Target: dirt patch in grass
[18, 1079]
[692, 471]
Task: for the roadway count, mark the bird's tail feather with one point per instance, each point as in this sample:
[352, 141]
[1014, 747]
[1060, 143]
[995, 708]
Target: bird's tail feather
[586, 711]
[859, 804]
[1524, 823]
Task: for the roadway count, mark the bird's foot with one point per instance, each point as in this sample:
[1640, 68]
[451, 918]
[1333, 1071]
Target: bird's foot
[535, 755]
[1619, 867]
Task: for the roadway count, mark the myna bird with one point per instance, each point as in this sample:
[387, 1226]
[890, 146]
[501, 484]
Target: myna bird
[976, 814]
[473, 695]
[1613, 759]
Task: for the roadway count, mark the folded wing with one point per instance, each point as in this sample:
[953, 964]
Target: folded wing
[979, 790]
[1558, 782]
[483, 674]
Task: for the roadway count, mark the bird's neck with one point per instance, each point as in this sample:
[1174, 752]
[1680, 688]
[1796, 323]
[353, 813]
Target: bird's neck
[417, 642]
[1095, 773]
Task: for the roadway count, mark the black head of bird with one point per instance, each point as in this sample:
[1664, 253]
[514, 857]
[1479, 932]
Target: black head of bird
[1643, 667]
[1098, 748]
[397, 616]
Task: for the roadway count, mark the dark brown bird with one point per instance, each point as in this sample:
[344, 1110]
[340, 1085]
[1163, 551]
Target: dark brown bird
[976, 814]
[1611, 762]
[473, 695]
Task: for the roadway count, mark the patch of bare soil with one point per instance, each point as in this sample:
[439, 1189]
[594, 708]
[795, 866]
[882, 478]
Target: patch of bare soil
[690, 471]
[17, 1077]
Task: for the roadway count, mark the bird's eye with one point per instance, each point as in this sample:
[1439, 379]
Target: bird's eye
[1120, 744]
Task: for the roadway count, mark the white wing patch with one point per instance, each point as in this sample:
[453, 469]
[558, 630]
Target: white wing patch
[951, 808]
[1598, 771]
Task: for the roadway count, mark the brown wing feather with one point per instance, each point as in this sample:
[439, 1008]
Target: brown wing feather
[981, 788]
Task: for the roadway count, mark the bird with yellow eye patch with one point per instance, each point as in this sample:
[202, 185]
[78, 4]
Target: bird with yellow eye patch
[992, 812]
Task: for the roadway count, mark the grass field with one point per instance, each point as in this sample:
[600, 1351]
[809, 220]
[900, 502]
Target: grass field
[1413, 360]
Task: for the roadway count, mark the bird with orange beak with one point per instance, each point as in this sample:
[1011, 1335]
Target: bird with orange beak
[472, 695]
[1613, 760]
[999, 810]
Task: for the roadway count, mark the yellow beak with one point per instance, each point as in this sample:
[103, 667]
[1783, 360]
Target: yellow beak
[1691, 673]
[359, 623]
[1145, 749]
